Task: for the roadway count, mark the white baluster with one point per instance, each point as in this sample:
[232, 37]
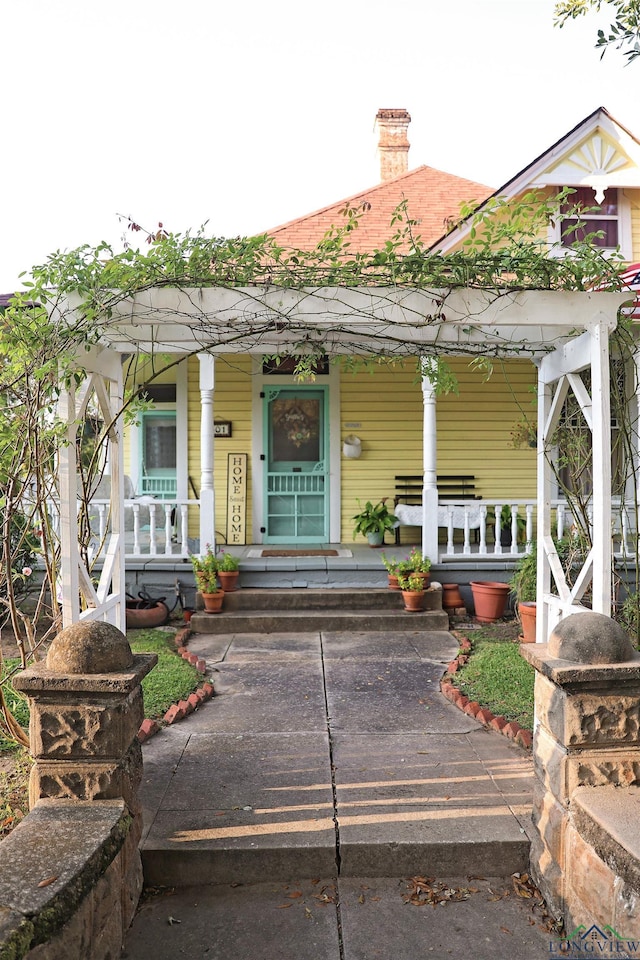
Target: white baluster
[184, 529]
[168, 530]
[136, 528]
[153, 547]
[497, 509]
[483, 529]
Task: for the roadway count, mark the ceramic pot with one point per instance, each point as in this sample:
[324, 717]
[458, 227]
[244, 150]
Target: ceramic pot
[413, 600]
[141, 617]
[213, 601]
[375, 539]
[228, 580]
[489, 599]
[393, 582]
[451, 597]
[527, 614]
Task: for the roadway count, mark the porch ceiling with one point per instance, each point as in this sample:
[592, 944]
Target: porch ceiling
[339, 320]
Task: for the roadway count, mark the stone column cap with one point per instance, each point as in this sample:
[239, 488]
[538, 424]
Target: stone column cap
[569, 673]
[41, 679]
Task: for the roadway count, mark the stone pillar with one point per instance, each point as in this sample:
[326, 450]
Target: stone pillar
[86, 709]
[587, 698]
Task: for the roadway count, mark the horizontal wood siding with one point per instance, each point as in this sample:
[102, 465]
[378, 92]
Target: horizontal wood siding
[388, 405]
[474, 431]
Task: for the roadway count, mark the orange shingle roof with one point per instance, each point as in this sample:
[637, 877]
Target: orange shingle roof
[432, 195]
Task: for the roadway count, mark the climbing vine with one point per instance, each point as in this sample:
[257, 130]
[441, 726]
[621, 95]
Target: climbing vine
[85, 296]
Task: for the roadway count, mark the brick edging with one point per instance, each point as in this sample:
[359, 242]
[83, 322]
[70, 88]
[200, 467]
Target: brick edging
[181, 709]
[508, 728]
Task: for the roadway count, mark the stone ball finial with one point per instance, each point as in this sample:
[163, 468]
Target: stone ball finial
[590, 638]
[90, 647]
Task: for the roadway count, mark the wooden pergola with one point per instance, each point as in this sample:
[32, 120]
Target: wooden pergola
[564, 333]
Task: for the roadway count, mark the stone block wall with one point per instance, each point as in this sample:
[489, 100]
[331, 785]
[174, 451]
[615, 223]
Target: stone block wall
[71, 873]
[585, 851]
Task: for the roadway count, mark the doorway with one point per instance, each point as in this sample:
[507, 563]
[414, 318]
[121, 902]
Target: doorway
[296, 478]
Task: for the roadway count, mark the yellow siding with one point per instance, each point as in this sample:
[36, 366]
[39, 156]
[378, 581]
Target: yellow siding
[473, 431]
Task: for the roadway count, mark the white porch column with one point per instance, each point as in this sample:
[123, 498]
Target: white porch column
[429, 453]
[207, 494]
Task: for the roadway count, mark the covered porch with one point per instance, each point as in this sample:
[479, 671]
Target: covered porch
[545, 326]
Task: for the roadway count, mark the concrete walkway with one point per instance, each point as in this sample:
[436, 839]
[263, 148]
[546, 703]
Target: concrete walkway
[326, 772]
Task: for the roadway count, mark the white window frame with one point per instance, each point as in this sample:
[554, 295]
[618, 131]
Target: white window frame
[624, 226]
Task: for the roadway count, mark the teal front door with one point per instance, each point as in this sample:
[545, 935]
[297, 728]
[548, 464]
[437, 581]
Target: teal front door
[296, 476]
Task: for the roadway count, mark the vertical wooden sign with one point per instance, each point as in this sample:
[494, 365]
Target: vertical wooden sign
[237, 498]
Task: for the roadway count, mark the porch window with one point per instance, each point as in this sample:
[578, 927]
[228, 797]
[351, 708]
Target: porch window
[159, 453]
[591, 218]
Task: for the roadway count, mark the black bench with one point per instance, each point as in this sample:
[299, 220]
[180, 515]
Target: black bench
[451, 486]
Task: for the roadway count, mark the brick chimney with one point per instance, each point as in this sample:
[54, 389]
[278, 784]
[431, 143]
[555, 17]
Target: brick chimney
[393, 146]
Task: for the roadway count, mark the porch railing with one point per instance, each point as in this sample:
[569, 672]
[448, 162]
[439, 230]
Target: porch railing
[154, 529]
[159, 529]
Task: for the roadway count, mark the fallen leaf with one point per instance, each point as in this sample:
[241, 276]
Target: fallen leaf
[308, 913]
[284, 906]
[295, 894]
[361, 898]
[505, 930]
[173, 920]
[47, 882]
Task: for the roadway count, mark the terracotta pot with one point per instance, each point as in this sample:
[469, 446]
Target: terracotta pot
[527, 614]
[451, 597]
[229, 580]
[413, 600]
[140, 617]
[393, 582]
[489, 599]
[213, 601]
[425, 577]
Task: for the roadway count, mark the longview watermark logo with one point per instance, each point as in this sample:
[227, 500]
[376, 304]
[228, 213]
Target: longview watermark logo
[594, 942]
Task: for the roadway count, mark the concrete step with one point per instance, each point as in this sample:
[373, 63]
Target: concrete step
[289, 610]
[290, 621]
[333, 755]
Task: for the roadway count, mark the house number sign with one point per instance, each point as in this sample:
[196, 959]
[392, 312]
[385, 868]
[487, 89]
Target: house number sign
[237, 498]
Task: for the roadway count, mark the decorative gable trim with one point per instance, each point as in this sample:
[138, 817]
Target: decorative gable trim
[599, 152]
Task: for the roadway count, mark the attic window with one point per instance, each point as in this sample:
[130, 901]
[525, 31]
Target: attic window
[601, 218]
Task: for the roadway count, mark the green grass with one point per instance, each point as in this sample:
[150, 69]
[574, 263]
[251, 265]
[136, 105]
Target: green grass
[497, 676]
[172, 679]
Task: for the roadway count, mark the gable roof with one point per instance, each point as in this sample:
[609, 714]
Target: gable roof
[597, 152]
[433, 198]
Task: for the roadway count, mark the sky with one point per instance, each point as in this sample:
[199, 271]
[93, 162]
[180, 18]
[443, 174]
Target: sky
[244, 115]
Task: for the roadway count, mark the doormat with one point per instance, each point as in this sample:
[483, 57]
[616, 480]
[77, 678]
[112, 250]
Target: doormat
[299, 553]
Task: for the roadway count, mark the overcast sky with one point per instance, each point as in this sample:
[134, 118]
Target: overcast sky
[248, 114]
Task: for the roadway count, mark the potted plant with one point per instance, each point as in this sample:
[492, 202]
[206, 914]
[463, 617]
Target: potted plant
[412, 592]
[421, 565]
[205, 569]
[391, 566]
[524, 585]
[373, 521]
[228, 572]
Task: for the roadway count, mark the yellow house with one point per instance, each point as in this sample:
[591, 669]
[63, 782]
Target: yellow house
[284, 463]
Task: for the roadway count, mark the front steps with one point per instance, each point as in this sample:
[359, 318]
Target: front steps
[294, 610]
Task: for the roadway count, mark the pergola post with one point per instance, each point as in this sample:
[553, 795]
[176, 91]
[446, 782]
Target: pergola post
[559, 374]
[80, 598]
[207, 492]
[429, 461]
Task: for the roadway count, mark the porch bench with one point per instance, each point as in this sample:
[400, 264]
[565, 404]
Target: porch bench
[450, 487]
